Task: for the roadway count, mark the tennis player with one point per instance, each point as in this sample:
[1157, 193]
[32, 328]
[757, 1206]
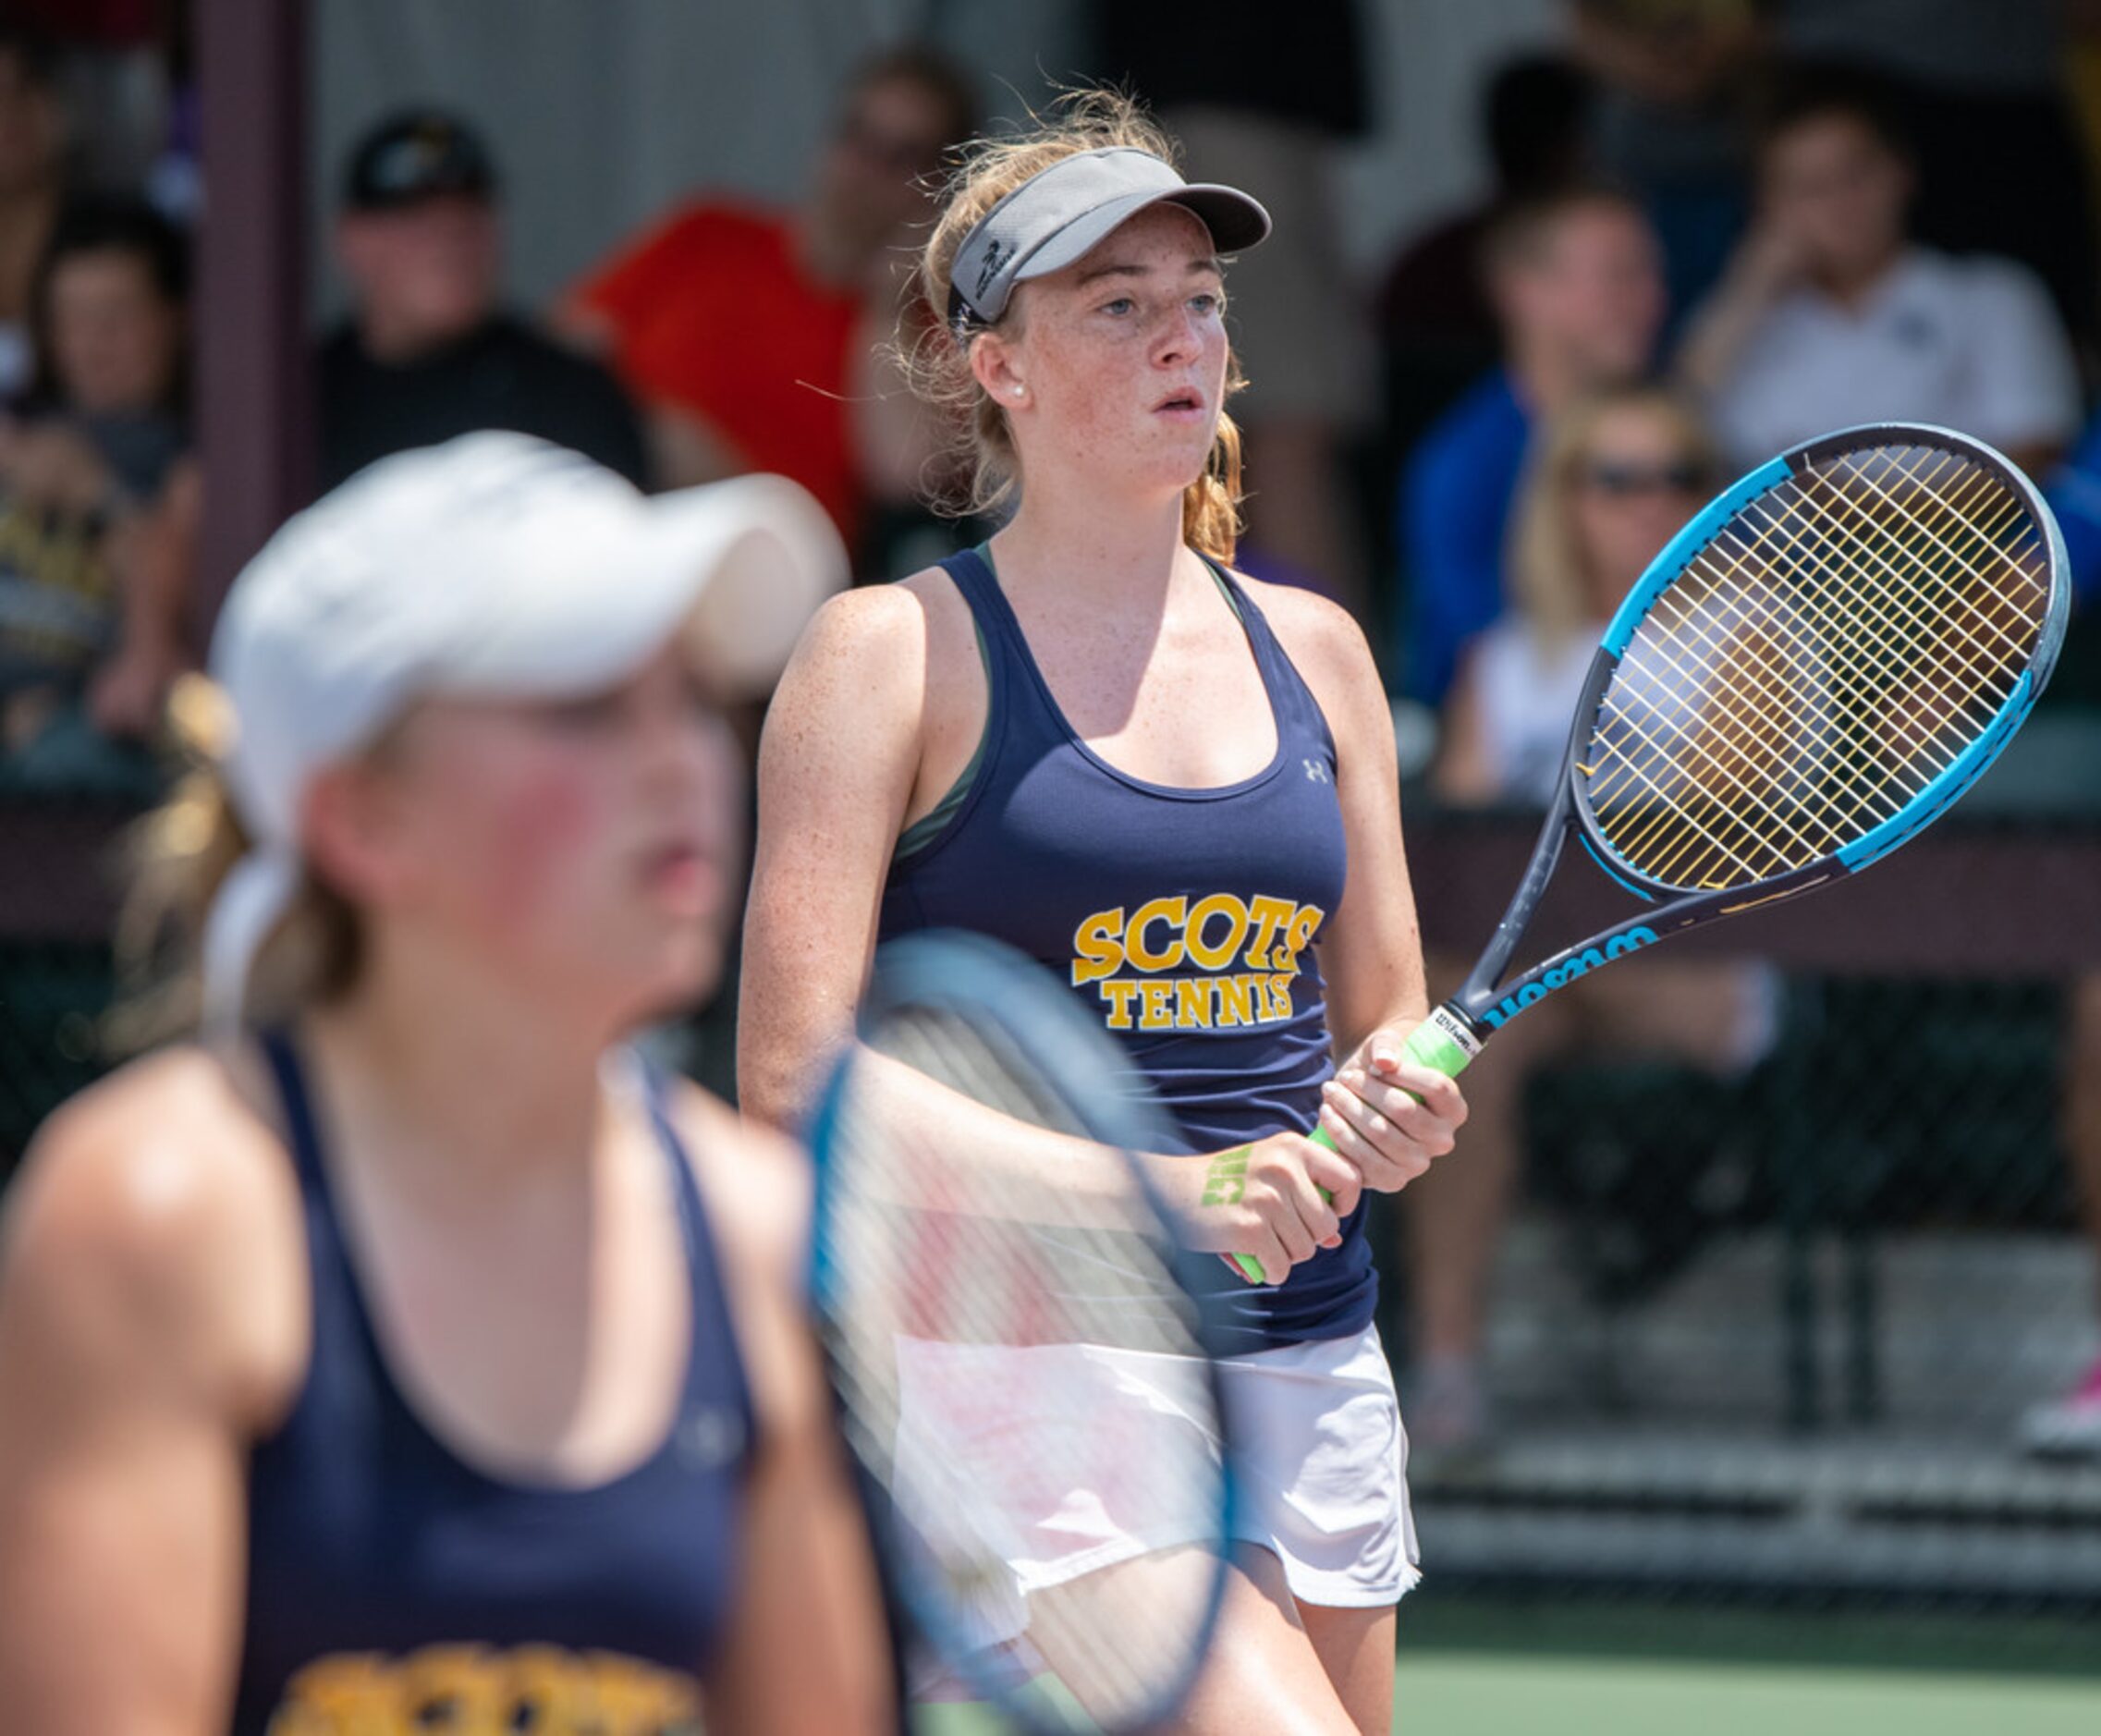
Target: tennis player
[408, 1357]
[1174, 786]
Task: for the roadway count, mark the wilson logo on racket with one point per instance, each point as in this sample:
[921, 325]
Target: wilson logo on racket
[1590, 958]
[1808, 675]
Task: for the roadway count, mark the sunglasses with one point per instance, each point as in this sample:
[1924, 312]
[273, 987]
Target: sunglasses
[1619, 482]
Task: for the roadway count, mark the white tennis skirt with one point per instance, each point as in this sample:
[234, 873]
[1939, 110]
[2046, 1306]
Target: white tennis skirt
[1322, 1465]
[1320, 1459]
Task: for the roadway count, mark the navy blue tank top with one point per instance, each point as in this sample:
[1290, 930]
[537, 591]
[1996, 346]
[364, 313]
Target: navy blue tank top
[392, 1587]
[1181, 918]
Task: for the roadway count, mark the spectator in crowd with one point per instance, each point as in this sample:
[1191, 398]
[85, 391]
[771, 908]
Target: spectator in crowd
[1829, 314]
[753, 337]
[1982, 94]
[2073, 490]
[1672, 120]
[1435, 321]
[428, 352]
[1272, 122]
[98, 505]
[1616, 475]
[33, 152]
[1578, 292]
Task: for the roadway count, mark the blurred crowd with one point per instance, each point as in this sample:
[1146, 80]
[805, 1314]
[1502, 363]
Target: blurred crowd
[1714, 228]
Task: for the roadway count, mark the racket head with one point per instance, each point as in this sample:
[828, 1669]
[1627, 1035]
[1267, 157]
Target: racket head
[1818, 665]
[1022, 1372]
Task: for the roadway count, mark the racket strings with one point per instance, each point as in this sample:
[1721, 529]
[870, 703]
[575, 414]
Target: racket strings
[1817, 665]
[1741, 547]
[1020, 1365]
[1768, 715]
[1761, 716]
[1935, 690]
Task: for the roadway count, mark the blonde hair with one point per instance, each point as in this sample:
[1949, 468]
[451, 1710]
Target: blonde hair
[1547, 572]
[180, 856]
[937, 361]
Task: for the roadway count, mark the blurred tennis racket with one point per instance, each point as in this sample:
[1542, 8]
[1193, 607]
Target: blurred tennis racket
[1810, 674]
[1020, 1369]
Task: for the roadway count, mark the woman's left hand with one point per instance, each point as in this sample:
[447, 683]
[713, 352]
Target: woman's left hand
[1389, 1115]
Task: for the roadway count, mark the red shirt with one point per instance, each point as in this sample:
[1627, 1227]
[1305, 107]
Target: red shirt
[711, 311]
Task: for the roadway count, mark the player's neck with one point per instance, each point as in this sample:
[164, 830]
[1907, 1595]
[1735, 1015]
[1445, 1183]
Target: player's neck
[442, 1056]
[1114, 554]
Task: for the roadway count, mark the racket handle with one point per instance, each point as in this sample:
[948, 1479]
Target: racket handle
[1427, 1047]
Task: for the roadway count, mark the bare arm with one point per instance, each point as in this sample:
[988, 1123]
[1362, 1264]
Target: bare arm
[837, 767]
[155, 554]
[1462, 775]
[1766, 263]
[147, 1319]
[1370, 949]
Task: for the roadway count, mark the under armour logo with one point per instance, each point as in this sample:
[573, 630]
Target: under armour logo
[1315, 771]
[709, 1439]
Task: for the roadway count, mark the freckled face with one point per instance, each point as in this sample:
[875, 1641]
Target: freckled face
[1123, 356]
[588, 848]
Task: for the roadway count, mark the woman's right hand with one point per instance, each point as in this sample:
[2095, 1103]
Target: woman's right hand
[1262, 1199]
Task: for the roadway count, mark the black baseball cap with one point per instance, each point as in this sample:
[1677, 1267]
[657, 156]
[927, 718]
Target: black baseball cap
[417, 154]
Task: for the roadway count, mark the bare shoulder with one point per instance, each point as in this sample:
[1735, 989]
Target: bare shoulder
[877, 628]
[865, 654]
[1329, 649]
[156, 1227]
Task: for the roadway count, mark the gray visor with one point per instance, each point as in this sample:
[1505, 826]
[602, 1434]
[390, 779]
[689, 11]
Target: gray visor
[1055, 217]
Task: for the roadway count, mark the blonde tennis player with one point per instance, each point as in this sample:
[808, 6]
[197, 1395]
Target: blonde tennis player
[1173, 786]
[408, 1357]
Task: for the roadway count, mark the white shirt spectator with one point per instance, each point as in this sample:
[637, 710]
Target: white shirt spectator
[1526, 691]
[1970, 342]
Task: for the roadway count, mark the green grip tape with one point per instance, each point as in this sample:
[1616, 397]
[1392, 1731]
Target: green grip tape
[1429, 1044]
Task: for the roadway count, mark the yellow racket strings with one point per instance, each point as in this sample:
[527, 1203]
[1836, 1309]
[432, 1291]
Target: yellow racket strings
[1802, 826]
[1797, 826]
[1833, 650]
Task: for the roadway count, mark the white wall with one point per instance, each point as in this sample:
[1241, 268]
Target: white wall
[603, 112]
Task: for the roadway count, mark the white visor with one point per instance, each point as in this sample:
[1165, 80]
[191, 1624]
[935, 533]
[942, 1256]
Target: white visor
[495, 566]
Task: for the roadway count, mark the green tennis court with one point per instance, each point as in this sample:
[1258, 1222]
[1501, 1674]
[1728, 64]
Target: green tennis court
[1484, 1695]
[1478, 1667]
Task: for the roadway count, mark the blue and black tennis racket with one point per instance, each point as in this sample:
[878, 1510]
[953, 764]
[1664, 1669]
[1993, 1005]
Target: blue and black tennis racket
[1021, 1371]
[1807, 677]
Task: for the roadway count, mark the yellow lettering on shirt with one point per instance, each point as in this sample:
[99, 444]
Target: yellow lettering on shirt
[1169, 911]
[468, 1690]
[1269, 915]
[1170, 966]
[1119, 994]
[1097, 947]
[1216, 955]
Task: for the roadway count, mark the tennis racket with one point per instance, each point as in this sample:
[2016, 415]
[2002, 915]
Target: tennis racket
[1021, 1371]
[1807, 676]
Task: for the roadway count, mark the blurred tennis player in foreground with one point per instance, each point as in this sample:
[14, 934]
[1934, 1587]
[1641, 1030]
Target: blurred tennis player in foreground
[1173, 785]
[405, 1357]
